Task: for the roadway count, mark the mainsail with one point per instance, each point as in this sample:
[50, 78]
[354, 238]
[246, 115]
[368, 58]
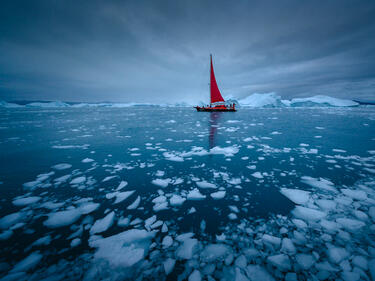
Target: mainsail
[214, 89]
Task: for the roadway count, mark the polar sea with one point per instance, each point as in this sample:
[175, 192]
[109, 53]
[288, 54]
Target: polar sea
[153, 193]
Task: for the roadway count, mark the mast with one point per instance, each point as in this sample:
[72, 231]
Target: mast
[210, 78]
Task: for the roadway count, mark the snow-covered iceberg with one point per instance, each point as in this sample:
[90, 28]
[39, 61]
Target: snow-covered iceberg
[9, 105]
[262, 100]
[273, 100]
[48, 104]
[321, 100]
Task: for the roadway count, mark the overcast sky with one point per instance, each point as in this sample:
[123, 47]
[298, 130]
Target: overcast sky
[158, 51]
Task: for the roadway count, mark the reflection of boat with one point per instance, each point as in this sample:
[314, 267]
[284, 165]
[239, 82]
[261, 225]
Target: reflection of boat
[217, 101]
[214, 117]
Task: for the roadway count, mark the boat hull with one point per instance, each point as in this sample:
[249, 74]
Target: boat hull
[213, 109]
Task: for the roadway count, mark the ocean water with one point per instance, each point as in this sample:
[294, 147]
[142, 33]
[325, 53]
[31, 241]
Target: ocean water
[170, 193]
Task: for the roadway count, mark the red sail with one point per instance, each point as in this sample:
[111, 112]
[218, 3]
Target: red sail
[215, 93]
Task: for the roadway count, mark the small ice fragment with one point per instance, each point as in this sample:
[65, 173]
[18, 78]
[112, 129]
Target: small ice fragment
[78, 180]
[296, 195]
[121, 196]
[87, 160]
[195, 195]
[305, 261]
[135, 204]
[176, 200]
[350, 224]
[195, 276]
[161, 182]
[319, 183]
[62, 218]
[275, 241]
[308, 214]
[164, 228]
[88, 207]
[232, 216]
[187, 249]
[108, 178]
[280, 261]
[257, 175]
[167, 241]
[103, 224]
[337, 254]
[288, 247]
[121, 185]
[168, 265]
[75, 242]
[256, 272]
[191, 210]
[218, 195]
[214, 252]
[204, 184]
[28, 263]
[62, 166]
[26, 201]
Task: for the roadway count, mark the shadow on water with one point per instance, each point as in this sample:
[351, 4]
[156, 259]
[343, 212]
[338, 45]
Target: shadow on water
[214, 119]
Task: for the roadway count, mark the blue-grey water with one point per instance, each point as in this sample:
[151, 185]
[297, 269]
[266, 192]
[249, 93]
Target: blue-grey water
[244, 158]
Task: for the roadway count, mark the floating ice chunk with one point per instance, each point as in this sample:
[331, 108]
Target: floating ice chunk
[132, 244]
[280, 261]
[350, 224]
[195, 276]
[164, 228]
[168, 265]
[78, 180]
[121, 196]
[176, 200]
[337, 254]
[296, 195]
[355, 194]
[256, 272]
[62, 166]
[160, 206]
[204, 184]
[233, 209]
[156, 224]
[87, 160]
[184, 236]
[361, 262]
[89, 207]
[269, 239]
[218, 195]
[167, 241]
[103, 224]
[9, 220]
[192, 210]
[288, 247]
[350, 276]
[241, 262]
[62, 218]
[226, 151]
[75, 242]
[299, 223]
[122, 185]
[28, 263]
[214, 252]
[108, 178]
[257, 175]
[305, 261]
[135, 204]
[26, 201]
[187, 249]
[319, 183]
[232, 216]
[172, 157]
[308, 214]
[195, 195]
[326, 204]
[161, 182]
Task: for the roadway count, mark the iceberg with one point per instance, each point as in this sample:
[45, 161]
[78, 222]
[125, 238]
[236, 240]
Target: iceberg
[262, 100]
[9, 105]
[48, 104]
[269, 100]
[321, 101]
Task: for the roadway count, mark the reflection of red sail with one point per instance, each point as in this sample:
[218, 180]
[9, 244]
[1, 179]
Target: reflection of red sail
[214, 89]
[214, 117]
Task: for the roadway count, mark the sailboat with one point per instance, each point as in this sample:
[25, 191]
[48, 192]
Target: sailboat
[217, 101]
